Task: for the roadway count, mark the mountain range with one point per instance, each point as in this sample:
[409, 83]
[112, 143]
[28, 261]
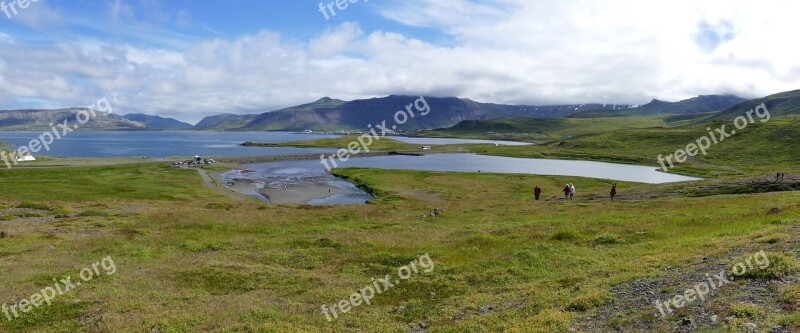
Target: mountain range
[25, 120]
[329, 114]
[695, 105]
[156, 122]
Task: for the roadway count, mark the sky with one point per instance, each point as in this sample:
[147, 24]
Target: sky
[192, 58]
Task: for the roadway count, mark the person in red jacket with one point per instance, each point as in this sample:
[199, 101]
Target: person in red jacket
[537, 192]
[567, 192]
[613, 191]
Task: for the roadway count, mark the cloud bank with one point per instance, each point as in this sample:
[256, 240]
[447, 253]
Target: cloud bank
[505, 51]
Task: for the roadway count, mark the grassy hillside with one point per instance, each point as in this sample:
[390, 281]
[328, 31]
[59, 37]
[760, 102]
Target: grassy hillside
[760, 148]
[783, 104]
[157, 122]
[191, 259]
[188, 259]
[224, 122]
[41, 120]
[530, 129]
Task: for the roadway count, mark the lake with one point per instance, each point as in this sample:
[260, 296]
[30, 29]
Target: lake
[276, 175]
[498, 164]
[190, 143]
[305, 173]
[165, 143]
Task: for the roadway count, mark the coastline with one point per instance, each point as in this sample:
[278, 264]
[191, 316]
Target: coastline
[301, 193]
[311, 189]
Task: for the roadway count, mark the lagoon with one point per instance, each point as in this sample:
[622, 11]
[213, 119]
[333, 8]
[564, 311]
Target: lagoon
[304, 174]
[499, 164]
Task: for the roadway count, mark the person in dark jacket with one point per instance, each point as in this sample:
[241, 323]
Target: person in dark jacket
[613, 191]
[537, 192]
[567, 192]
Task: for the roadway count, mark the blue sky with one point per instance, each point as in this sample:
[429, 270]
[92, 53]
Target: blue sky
[189, 59]
[178, 23]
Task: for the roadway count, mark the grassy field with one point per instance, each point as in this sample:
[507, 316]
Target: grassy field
[189, 259]
[546, 129]
[759, 149]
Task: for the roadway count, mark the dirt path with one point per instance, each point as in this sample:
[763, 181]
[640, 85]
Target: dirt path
[632, 307]
[210, 182]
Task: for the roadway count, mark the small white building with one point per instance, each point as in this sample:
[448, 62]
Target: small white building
[26, 158]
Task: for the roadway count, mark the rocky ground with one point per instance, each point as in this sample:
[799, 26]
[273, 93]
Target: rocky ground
[632, 306]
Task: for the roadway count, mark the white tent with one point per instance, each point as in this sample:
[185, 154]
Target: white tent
[26, 158]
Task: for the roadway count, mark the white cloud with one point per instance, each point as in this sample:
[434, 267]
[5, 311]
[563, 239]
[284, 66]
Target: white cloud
[510, 51]
[39, 16]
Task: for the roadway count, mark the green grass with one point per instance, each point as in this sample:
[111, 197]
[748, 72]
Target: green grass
[790, 295]
[779, 266]
[588, 301]
[761, 148]
[746, 311]
[539, 129]
[190, 259]
[88, 184]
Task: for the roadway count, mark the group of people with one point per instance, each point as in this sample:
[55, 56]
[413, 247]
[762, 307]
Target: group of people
[779, 176]
[569, 192]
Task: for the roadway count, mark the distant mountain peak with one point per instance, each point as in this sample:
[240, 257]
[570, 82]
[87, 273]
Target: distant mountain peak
[157, 122]
[698, 104]
[656, 101]
[43, 119]
[224, 121]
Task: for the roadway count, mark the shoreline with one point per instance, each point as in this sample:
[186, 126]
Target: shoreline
[303, 157]
[290, 194]
[301, 193]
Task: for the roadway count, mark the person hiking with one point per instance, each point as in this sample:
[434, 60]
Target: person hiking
[537, 192]
[571, 191]
[567, 190]
[613, 191]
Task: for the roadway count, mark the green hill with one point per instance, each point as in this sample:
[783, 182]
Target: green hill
[528, 129]
[157, 122]
[782, 104]
[224, 122]
[700, 104]
[760, 148]
[40, 120]
[332, 114]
